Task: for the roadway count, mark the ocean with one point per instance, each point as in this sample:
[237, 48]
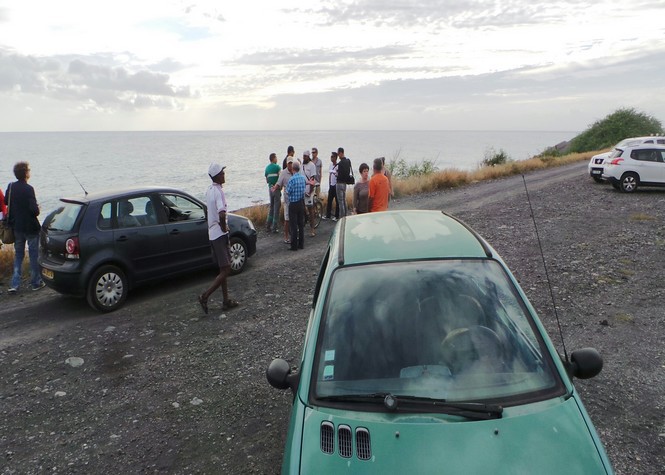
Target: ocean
[64, 163]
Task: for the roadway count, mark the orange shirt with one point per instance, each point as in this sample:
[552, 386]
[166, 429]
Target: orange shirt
[379, 192]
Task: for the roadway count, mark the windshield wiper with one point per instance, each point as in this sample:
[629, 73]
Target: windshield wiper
[471, 410]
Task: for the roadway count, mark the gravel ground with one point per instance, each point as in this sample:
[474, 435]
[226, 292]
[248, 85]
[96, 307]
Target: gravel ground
[157, 388]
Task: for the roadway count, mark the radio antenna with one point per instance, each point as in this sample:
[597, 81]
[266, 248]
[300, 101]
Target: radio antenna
[76, 178]
[549, 284]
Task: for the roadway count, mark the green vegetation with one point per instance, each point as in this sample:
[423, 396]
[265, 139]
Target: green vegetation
[493, 158]
[400, 169]
[614, 128]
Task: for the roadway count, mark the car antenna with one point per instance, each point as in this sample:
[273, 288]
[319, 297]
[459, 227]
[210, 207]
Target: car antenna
[549, 284]
[76, 178]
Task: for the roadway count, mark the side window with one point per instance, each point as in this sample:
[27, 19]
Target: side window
[661, 141]
[180, 208]
[135, 212]
[661, 156]
[104, 218]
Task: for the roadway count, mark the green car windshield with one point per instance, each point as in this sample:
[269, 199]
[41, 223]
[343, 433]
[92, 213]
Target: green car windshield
[453, 330]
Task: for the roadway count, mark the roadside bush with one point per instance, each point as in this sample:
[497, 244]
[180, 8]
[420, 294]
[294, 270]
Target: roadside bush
[400, 169]
[614, 128]
[493, 158]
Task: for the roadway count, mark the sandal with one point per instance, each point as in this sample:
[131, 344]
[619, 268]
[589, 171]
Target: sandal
[229, 304]
[204, 304]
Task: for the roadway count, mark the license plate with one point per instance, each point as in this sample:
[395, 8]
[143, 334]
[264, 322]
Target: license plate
[596, 172]
[47, 273]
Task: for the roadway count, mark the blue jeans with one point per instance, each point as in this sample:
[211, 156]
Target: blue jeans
[273, 211]
[19, 253]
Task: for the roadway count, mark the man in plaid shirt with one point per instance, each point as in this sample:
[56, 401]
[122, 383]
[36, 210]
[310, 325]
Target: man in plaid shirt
[295, 188]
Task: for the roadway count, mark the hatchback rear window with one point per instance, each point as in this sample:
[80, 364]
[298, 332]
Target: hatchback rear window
[64, 218]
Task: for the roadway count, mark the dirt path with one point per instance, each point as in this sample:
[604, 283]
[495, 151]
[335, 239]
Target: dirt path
[162, 390]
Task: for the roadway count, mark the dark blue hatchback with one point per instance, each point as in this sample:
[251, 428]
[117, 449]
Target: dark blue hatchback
[101, 245]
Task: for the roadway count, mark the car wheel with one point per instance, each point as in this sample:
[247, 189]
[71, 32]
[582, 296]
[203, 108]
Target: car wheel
[238, 255]
[597, 179]
[107, 289]
[629, 182]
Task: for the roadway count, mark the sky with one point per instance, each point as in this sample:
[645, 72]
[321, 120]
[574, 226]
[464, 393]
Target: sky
[328, 65]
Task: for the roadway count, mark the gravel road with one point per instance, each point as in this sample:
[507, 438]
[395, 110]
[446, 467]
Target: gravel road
[157, 388]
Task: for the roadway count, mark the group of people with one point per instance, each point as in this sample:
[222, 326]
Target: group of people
[19, 211]
[298, 183]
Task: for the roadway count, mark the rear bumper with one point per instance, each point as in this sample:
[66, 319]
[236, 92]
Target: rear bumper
[63, 278]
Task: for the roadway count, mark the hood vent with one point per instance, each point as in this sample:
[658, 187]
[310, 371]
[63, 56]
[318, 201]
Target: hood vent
[327, 438]
[345, 441]
[363, 446]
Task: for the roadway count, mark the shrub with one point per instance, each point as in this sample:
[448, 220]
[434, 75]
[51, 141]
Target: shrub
[617, 126]
[493, 158]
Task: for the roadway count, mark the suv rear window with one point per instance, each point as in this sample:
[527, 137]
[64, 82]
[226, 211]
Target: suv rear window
[64, 218]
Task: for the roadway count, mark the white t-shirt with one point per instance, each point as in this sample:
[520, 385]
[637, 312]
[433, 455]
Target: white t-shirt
[216, 202]
[332, 171]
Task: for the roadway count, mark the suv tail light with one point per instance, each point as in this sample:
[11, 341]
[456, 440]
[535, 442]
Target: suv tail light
[616, 161]
[72, 248]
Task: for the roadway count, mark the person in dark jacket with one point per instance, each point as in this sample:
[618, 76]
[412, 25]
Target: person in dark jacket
[23, 211]
[344, 177]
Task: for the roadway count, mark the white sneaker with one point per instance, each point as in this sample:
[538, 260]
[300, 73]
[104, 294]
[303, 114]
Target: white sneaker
[12, 290]
[333, 218]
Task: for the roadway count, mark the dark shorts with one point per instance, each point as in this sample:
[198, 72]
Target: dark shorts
[221, 253]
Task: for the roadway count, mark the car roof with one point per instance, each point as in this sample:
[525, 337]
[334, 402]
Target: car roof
[406, 235]
[119, 192]
[641, 146]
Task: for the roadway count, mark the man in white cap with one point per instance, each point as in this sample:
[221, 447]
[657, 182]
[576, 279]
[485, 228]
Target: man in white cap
[218, 234]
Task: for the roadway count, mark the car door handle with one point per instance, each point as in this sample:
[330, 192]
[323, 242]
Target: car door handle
[174, 231]
[122, 238]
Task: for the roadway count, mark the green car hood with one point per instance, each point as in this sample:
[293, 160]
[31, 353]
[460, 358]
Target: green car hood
[542, 438]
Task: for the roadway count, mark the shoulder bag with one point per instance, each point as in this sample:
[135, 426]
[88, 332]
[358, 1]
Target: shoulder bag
[6, 231]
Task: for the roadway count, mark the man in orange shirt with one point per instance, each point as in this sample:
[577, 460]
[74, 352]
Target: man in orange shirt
[379, 188]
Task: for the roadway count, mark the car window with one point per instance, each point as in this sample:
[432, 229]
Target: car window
[64, 218]
[133, 212]
[453, 330]
[645, 155]
[104, 218]
[180, 208]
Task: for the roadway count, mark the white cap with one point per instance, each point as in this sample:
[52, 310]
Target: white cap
[306, 153]
[215, 169]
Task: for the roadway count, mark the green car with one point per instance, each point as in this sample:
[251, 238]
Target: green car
[423, 355]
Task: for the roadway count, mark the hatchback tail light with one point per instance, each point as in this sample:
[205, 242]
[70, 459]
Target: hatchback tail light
[616, 161]
[72, 248]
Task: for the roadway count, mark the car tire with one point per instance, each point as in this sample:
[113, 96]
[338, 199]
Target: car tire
[107, 289]
[238, 250]
[629, 182]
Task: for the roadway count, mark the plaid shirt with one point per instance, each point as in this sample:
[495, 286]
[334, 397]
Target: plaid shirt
[296, 188]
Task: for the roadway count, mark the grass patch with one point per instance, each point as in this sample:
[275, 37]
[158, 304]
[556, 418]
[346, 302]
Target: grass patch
[642, 217]
[624, 318]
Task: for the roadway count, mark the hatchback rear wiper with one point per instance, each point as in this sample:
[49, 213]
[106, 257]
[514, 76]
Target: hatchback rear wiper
[471, 410]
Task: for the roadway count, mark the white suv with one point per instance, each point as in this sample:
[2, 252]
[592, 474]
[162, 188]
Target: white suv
[639, 165]
[597, 161]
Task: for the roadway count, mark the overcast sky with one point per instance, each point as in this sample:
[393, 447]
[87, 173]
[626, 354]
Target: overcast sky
[308, 64]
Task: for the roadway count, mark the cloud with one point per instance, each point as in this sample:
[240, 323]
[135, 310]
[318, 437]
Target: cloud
[93, 85]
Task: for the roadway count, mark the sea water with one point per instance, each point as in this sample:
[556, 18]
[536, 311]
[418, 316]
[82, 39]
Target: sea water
[64, 163]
